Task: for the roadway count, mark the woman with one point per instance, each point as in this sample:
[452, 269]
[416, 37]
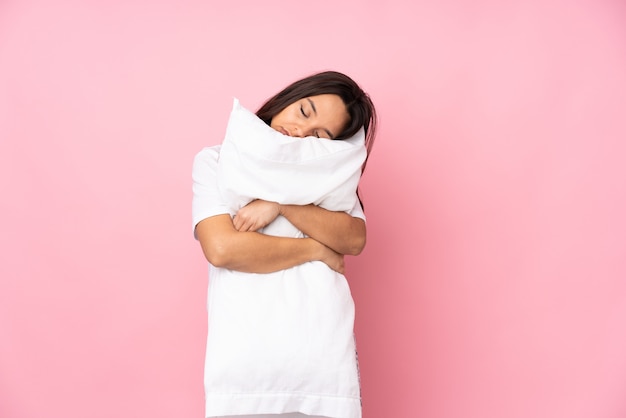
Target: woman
[326, 105]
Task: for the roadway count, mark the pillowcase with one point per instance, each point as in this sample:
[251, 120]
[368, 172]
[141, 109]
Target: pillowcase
[258, 162]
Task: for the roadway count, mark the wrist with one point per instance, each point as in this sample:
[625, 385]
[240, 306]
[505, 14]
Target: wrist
[281, 209]
[316, 249]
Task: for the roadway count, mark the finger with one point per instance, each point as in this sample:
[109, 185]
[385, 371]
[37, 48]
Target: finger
[236, 222]
[241, 223]
[253, 225]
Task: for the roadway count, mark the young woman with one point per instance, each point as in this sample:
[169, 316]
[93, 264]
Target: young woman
[327, 105]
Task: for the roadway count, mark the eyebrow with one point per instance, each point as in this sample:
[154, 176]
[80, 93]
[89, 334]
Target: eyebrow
[330, 134]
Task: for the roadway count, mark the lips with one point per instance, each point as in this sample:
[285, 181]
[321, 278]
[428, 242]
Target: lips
[283, 131]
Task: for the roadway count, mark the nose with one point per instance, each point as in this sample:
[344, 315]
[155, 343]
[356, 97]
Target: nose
[296, 131]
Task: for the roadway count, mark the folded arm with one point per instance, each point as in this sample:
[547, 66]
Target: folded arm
[339, 231]
[224, 246]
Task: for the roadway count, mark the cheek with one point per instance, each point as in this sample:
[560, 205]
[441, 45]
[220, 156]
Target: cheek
[276, 121]
[281, 119]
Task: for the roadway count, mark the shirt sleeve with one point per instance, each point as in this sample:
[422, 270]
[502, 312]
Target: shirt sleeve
[357, 211]
[207, 200]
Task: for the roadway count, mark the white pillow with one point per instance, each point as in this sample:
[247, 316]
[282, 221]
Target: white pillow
[258, 162]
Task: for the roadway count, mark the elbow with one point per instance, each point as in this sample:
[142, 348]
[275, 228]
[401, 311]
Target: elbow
[217, 238]
[356, 246]
[358, 240]
[217, 254]
[215, 258]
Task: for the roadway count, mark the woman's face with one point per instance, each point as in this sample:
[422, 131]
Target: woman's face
[323, 116]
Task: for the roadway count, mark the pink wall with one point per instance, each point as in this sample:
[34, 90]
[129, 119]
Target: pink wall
[494, 281]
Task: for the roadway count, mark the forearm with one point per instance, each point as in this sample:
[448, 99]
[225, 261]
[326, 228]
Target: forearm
[253, 252]
[343, 233]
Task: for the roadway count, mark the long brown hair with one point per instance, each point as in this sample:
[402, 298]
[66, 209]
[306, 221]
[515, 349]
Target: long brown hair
[358, 104]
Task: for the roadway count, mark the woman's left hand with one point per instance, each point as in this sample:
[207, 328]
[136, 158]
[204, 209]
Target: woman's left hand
[256, 215]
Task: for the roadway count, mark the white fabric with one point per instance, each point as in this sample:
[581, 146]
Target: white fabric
[258, 162]
[207, 200]
[282, 342]
[288, 415]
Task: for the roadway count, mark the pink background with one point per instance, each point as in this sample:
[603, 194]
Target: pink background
[494, 280]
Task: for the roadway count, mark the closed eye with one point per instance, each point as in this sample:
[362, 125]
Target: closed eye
[302, 111]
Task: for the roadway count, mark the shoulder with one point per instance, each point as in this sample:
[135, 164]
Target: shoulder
[208, 155]
[206, 159]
